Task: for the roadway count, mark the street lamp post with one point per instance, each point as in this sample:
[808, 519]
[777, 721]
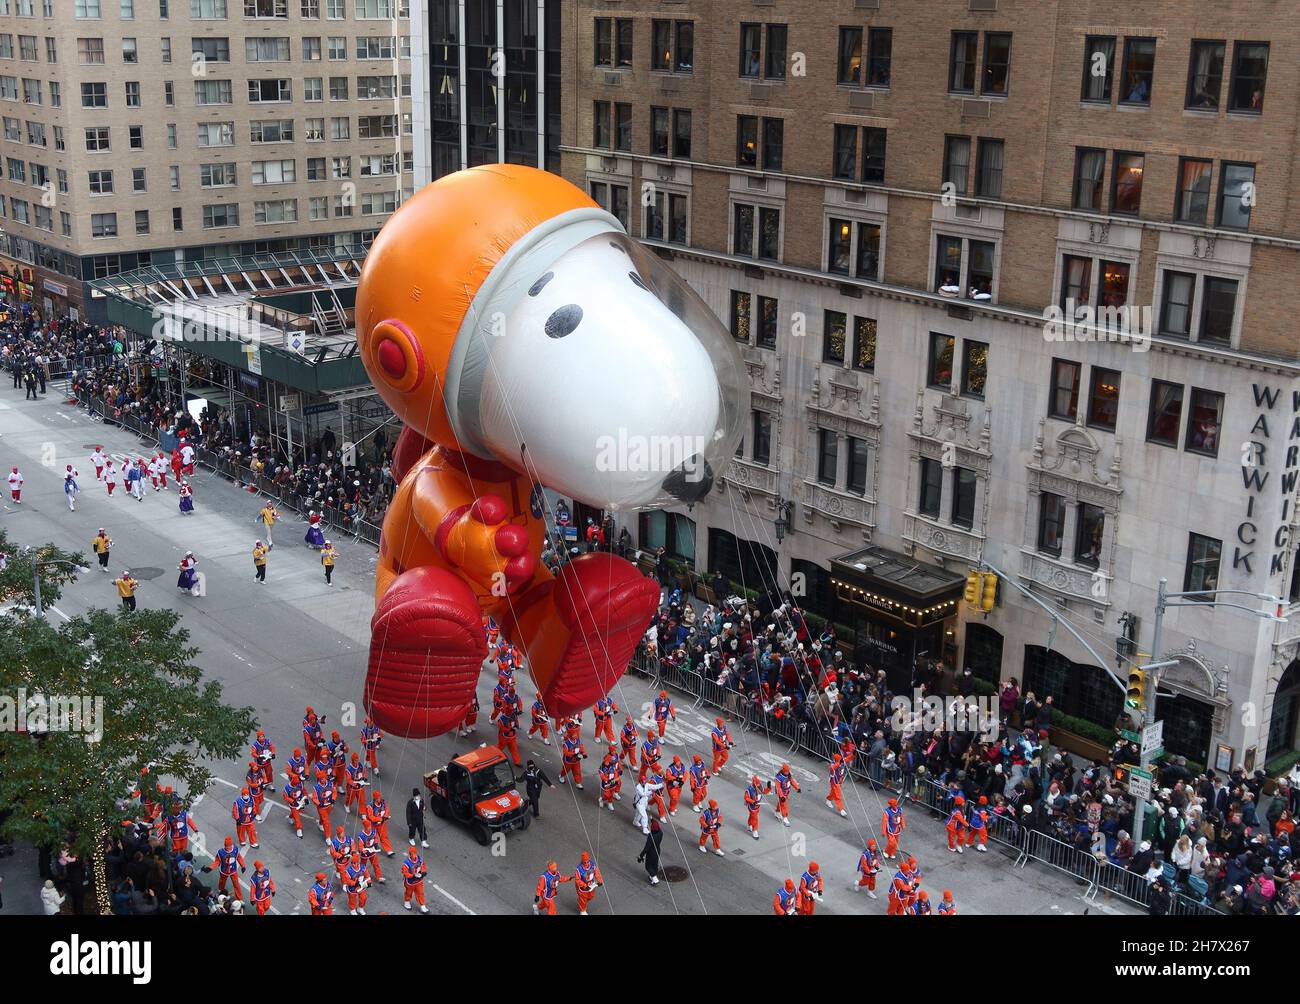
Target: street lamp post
[1164, 600]
[36, 579]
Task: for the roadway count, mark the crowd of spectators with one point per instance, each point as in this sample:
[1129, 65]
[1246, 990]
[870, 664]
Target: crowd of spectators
[1222, 840]
[33, 351]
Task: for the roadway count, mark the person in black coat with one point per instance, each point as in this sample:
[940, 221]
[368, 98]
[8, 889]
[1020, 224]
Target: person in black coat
[415, 819]
[534, 778]
[1162, 898]
[650, 852]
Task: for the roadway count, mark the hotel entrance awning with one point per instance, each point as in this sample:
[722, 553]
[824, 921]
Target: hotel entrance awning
[891, 583]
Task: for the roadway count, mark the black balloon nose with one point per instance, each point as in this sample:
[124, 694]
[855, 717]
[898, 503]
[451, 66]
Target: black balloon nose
[690, 481]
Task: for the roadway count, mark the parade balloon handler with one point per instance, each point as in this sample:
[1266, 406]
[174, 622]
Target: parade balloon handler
[514, 251]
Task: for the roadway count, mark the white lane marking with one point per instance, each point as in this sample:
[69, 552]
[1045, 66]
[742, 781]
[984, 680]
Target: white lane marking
[63, 416]
[453, 899]
[268, 801]
[59, 612]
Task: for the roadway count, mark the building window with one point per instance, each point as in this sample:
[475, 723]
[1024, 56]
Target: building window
[133, 94]
[1204, 422]
[622, 126]
[1089, 168]
[1236, 195]
[95, 95]
[974, 368]
[746, 140]
[1126, 183]
[1063, 399]
[762, 438]
[769, 233]
[947, 265]
[1202, 573]
[1114, 284]
[939, 369]
[846, 152]
[1205, 75]
[864, 343]
[103, 224]
[953, 255]
[1103, 399]
[751, 43]
[928, 504]
[661, 45]
[873, 155]
[773, 143]
[988, 169]
[142, 221]
[1176, 304]
[623, 42]
[101, 182]
[1098, 67]
[1139, 67]
[961, 62]
[1051, 523]
[1089, 533]
[1219, 297]
[997, 63]
[963, 499]
[868, 254]
[858, 458]
[682, 133]
[1192, 202]
[767, 322]
[774, 67]
[740, 315]
[956, 162]
[600, 136]
[684, 62]
[742, 237]
[834, 335]
[828, 456]
[1249, 74]
[841, 240]
[1166, 414]
[604, 42]
[659, 132]
[1076, 283]
[850, 56]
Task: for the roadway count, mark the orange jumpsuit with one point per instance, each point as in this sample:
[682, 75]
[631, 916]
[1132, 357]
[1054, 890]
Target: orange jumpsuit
[294, 799]
[321, 897]
[413, 873]
[656, 799]
[322, 796]
[628, 739]
[869, 867]
[782, 784]
[753, 802]
[548, 886]
[956, 827]
[541, 722]
[371, 737]
[245, 817]
[651, 751]
[810, 889]
[710, 824]
[902, 892]
[369, 841]
[255, 785]
[611, 780]
[378, 814]
[786, 902]
[978, 823]
[835, 796]
[261, 887]
[354, 883]
[229, 862]
[356, 772]
[341, 847]
[676, 777]
[892, 825]
[605, 711]
[721, 738]
[508, 734]
[699, 778]
[574, 754]
[663, 711]
[179, 825]
[586, 880]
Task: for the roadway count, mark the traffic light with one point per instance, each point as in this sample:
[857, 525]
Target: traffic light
[1137, 689]
[989, 592]
[973, 581]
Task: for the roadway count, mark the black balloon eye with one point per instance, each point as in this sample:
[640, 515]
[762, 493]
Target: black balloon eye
[540, 284]
[617, 246]
[563, 321]
[636, 280]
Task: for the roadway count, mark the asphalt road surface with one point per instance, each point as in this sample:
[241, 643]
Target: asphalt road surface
[296, 641]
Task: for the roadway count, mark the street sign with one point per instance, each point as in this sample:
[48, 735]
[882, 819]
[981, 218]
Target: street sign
[289, 402]
[1130, 736]
[320, 409]
[1152, 737]
[1139, 783]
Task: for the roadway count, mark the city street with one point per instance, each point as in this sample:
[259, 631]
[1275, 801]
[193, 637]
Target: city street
[296, 641]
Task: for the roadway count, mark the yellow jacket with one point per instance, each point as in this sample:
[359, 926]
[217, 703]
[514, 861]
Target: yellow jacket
[268, 515]
[328, 555]
[259, 555]
[100, 544]
[125, 587]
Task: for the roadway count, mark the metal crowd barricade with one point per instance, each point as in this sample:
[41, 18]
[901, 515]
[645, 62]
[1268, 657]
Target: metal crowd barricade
[1054, 853]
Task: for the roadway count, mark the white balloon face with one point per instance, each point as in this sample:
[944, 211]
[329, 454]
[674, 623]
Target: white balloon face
[612, 382]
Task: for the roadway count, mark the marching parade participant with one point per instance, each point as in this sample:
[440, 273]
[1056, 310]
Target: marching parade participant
[781, 784]
[651, 751]
[314, 537]
[295, 768]
[263, 752]
[920, 905]
[354, 884]
[413, 875]
[368, 841]
[187, 498]
[786, 901]
[356, 781]
[228, 862]
[259, 562]
[868, 868]
[655, 785]
[295, 800]
[377, 814]
[533, 777]
[152, 468]
[187, 580]
[956, 824]
[946, 906]
[548, 886]
[160, 460]
[627, 740]
[70, 487]
[321, 896]
[371, 737]
[676, 781]
[645, 789]
[720, 737]
[892, 825]
[133, 474]
[835, 797]
[611, 780]
[753, 802]
[978, 823]
[663, 710]
[604, 712]
[178, 468]
[903, 887]
[322, 796]
[586, 880]
[268, 516]
[699, 777]
[97, 460]
[571, 761]
[312, 737]
[508, 738]
[126, 587]
[469, 723]
[101, 545]
[710, 825]
[256, 785]
[327, 558]
[810, 889]
[338, 753]
[340, 849]
[541, 721]
[244, 812]
[180, 824]
[16, 486]
[261, 887]
[110, 477]
[187, 457]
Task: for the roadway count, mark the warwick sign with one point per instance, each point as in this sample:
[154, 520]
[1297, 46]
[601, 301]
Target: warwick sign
[1255, 477]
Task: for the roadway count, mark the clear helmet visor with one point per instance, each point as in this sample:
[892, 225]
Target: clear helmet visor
[609, 380]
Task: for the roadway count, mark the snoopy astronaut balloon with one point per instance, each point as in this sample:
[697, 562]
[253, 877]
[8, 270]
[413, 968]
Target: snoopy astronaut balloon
[526, 342]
